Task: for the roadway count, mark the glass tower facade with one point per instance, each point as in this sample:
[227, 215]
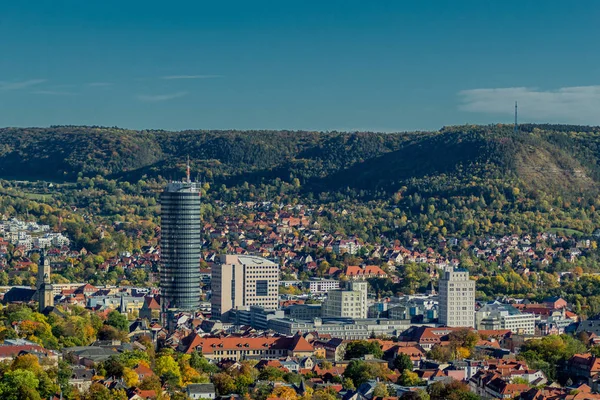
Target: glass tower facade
[180, 246]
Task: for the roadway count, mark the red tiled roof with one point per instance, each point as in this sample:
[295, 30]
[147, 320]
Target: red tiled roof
[13, 351]
[143, 370]
[210, 345]
[497, 333]
[300, 344]
[151, 303]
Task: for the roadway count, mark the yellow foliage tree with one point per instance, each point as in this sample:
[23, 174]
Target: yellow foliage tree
[27, 362]
[462, 352]
[166, 364]
[130, 377]
[190, 375]
[285, 393]
[308, 394]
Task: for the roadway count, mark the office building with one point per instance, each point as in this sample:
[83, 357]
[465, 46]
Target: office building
[243, 281]
[342, 328]
[254, 316]
[495, 316]
[322, 285]
[347, 303]
[180, 246]
[303, 311]
[456, 298]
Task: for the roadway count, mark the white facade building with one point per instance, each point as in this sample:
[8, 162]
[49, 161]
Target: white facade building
[456, 298]
[244, 281]
[347, 303]
[504, 316]
[323, 285]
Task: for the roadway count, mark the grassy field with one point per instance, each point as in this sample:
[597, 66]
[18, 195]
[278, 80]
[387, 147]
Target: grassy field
[37, 196]
[28, 195]
[566, 231]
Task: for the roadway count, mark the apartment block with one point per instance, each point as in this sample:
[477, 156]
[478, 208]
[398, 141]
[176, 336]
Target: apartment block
[456, 298]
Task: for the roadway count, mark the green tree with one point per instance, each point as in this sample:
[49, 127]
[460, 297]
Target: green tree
[360, 371]
[168, 369]
[550, 352]
[271, 374]
[403, 362]
[409, 378]
[19, 384]
[348, 384]
[117, 320]
[113, 367]
[454, 390]
[224, 383]
[360, 348]
[381, 390]
[97, 391]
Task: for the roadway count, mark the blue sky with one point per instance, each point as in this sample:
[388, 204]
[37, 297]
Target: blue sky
[317, 65]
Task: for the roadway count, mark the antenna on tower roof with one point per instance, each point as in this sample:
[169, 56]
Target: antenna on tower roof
[188, 170]
[516, 124]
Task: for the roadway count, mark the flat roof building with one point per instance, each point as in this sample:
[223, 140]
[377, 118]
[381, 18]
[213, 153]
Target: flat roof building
[457, 298]
[243, 281]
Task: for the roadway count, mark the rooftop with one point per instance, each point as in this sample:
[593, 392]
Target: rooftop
[254, 260]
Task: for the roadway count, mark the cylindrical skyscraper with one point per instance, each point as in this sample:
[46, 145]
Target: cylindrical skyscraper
[180, 246]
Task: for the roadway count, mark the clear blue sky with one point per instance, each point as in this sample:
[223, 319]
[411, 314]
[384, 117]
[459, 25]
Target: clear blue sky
[319, 65]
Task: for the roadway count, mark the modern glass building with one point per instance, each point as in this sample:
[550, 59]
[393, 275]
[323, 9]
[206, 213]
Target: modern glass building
[180, 246]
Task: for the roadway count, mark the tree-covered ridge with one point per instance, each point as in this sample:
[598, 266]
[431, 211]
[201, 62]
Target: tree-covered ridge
[547, 158]
[63, 153]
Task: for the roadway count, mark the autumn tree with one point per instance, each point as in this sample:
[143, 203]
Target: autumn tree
[224, 383]
[285, 393]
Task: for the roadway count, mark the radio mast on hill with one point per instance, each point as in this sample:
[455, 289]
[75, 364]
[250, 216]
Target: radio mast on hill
[516, 125]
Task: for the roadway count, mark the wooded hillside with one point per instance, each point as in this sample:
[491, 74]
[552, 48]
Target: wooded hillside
[545, 158]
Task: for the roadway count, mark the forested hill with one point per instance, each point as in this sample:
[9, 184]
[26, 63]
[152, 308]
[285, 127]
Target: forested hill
[546, 158]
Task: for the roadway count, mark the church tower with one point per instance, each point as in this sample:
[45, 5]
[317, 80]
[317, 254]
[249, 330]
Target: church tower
[45, 291]
[43, 270]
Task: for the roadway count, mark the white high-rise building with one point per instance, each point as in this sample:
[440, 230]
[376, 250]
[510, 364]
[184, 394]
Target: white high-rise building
[243, 281]
[457, 298]
[347, 303]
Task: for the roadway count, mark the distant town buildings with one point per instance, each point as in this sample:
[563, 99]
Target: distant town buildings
[456, 298]
[346, 246]
[30, 235]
